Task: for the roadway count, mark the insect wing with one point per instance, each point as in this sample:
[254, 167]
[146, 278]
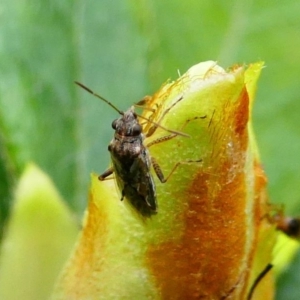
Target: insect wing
[136, 183]
[145, 186]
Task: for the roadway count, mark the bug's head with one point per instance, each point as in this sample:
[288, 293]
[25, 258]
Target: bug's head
[127, 124]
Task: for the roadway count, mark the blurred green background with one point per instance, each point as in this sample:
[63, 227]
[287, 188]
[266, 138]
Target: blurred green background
[124, 50]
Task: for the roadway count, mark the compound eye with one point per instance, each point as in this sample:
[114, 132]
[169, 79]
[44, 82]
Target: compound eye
[114, 124]
[136, 129]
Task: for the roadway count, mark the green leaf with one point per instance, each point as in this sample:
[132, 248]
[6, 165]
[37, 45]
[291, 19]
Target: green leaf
[6, 176]
[40, 235]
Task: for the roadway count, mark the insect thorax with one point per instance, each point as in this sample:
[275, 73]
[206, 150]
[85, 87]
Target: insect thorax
[126, 148]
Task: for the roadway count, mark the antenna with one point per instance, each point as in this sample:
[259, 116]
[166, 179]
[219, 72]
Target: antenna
[122, 113]
[100, 97]
[164, 128]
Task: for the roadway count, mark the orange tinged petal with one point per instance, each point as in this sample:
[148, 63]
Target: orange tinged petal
[211, 237]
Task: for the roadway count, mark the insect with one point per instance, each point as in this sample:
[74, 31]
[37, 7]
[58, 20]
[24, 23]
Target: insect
[288, 225]
[131, 161]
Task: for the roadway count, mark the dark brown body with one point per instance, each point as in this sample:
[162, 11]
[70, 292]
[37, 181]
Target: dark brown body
[131, 164]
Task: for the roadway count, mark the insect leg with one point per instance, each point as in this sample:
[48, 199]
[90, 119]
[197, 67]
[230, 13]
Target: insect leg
[143, 102]
[123, 193]
[153, 128]
[161, 139]
[159, 172]
[258, 279]
[106, 174]
[171, 136]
